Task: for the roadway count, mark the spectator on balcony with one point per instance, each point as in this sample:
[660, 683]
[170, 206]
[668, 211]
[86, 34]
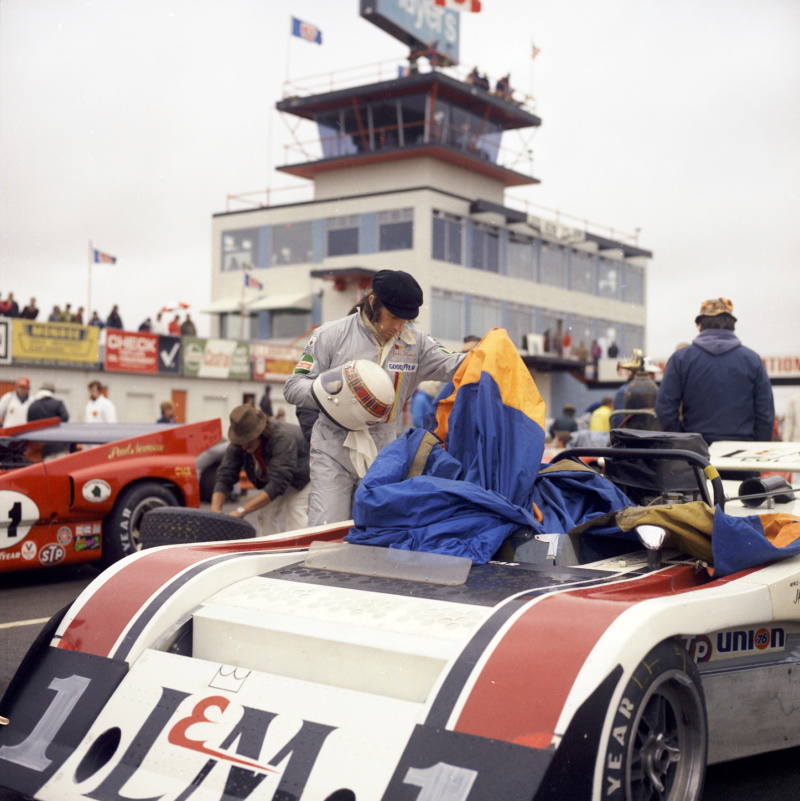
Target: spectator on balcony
[114, 320]
[187, 328]
[31, 311]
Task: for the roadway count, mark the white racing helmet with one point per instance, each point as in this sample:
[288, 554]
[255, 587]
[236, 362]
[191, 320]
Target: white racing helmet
[355, 395]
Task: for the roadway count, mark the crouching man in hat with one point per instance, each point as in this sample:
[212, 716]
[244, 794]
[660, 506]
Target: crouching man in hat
[381, 331]
[274, 456]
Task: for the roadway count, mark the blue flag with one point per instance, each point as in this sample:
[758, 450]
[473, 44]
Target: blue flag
[306, 30]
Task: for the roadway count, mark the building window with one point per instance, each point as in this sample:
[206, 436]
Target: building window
[342, 235]
[633, 288]
[239, 249]
[582, 272]
[608, 278]
[520, 320]
[291, 243]
[448, 233]
[521, 260]
[485, 248]
[447, 315]
[633, 338]
[484, 314]
[396, 229]
[583, 333]
[552, 265]
[289, 324]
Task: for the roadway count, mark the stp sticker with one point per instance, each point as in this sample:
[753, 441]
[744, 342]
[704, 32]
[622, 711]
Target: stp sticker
[96, 490]
[18, 514]
[52, 554]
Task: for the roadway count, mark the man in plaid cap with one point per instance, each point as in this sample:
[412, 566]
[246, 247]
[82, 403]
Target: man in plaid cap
[716, 386]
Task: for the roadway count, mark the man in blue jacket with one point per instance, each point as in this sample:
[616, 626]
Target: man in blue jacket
[716, 386]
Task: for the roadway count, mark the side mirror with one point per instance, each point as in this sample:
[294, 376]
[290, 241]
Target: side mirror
[652, 537]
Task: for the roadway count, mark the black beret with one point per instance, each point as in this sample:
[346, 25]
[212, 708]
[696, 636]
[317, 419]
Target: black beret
[398, 292]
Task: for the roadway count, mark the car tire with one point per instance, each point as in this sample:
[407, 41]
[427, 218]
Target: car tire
[122, 527]
[658, 741]
[180, 526]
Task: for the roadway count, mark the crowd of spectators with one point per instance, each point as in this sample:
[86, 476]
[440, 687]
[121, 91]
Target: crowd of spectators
[9, 307]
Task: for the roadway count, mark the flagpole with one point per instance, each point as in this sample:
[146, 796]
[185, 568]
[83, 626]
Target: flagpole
[241, 312]
[89, 292]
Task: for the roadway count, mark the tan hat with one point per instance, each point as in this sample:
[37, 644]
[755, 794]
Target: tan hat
[48, 387]
[247, 423]
[711, 308]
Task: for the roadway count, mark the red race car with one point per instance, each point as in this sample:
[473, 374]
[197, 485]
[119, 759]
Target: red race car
[76, 492]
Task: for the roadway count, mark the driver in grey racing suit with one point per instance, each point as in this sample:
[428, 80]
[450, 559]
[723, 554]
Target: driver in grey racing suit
[381, 331]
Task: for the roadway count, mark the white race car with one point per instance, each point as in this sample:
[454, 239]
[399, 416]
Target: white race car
[303, 667]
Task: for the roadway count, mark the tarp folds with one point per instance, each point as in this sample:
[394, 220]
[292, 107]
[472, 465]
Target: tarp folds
[478, 488]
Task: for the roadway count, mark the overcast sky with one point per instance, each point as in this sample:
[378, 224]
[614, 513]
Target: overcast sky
[128, 122]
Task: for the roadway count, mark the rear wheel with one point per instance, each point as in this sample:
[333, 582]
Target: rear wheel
[657, 746]
[122, 528]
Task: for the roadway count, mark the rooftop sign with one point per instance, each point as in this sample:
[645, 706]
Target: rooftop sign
[420, 24]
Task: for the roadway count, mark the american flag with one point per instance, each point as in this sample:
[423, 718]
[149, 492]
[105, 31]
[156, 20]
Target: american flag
[104, 258]
[251, 282]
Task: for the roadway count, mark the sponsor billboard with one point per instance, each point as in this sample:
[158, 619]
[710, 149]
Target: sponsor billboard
[216, 358]
[55, 344]
[5, 341]
[131, 352]
[273, 362]
[418, 23]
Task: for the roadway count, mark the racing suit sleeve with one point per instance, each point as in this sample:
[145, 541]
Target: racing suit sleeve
[229, 469]
[315, 360]
[764, 407]
[436, 363]
[668, 400]
[282, 464]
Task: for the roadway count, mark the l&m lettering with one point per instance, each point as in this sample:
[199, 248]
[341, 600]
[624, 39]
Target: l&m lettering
[246, 768]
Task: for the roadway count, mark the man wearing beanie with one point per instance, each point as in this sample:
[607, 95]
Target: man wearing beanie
[716, 386]
[380, 330]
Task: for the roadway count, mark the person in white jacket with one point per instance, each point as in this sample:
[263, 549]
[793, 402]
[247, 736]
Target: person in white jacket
[381, 331]
[14, 405]
[99, 409]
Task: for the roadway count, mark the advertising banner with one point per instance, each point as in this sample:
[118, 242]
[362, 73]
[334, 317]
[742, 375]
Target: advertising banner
[131, 352]
[273, 362]
[5, 341]
[216, 358]
[170, 355]
[56, 344]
